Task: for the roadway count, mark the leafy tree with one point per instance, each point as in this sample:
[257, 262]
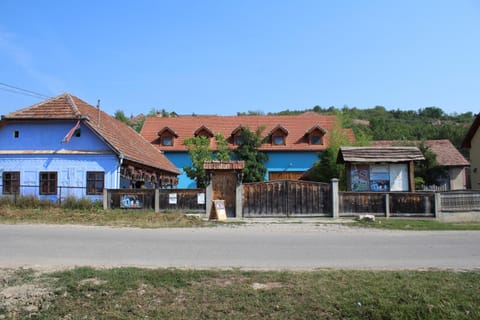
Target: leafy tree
[222, 154]
[198, 150]
[429, 172]
[255, 169]
[327, 168]
[120, 115]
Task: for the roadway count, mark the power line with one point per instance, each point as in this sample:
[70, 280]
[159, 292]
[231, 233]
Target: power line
[14, 89]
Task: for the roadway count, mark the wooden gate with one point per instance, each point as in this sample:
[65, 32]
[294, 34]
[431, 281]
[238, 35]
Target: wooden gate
[287, 198]
[224, 187]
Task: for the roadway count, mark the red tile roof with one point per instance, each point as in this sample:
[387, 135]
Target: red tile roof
[296, 126]
[119, 136]
[446, 153]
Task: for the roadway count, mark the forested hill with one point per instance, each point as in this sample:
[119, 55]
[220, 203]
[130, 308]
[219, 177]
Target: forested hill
[380, 124]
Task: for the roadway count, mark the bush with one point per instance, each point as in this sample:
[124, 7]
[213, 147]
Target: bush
[73, 203]
[25, 202]
[33, 202]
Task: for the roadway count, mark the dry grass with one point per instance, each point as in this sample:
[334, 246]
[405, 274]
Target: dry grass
[98, 217]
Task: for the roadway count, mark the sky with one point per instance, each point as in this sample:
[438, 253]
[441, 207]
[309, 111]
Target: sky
[227, 56]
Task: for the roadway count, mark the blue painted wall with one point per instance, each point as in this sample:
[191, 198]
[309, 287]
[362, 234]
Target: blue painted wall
[71, 169]
[278, 161]
[181, 159]
[48, 136]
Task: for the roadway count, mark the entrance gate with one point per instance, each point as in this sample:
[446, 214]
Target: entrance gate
[287, 198]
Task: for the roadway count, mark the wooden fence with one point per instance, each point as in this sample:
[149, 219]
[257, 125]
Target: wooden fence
[287, 198]
[185, 200]
[389, 204]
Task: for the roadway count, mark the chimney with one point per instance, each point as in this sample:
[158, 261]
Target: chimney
[98, 107]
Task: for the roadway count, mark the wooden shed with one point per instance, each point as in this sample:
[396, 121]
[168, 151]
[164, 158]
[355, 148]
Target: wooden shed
[380, 168]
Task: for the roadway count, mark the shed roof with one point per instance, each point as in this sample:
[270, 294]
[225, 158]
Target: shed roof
[120, 137]
[446, 153]
[379, 154]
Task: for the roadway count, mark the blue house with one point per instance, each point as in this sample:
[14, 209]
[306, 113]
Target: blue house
[293, 142]
[65, 147]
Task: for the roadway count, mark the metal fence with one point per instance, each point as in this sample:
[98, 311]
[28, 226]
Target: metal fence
[464, 201]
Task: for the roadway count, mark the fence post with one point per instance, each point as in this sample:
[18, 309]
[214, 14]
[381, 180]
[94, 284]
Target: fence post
[105, 199]
[438, 206]
[387, 205]
[335, 198]
[208, 198]
[157, 200]
[239, 200]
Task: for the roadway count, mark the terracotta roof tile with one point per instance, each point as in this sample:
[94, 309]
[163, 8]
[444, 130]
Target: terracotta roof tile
[445, 151]
[123, 139]
[296, 126]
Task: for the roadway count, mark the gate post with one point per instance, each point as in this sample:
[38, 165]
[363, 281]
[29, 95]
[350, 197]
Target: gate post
[157, 200]
[335, 199]
[239, 198]
[208, 195]
[438, 206]
[105, 199]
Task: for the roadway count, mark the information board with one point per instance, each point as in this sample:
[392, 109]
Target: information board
[218, 210]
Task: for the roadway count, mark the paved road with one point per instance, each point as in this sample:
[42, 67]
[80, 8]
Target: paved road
[260, 246]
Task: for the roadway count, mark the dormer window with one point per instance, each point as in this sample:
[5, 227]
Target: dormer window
[278, 140]
[315, 135]
[167, 140]
[279, 135]
[166, 136]
[238, 140]
[316, 139]
[237, 136]
[203, 131]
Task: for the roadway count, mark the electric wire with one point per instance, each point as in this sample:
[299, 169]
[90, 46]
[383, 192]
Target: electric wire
[14, 89]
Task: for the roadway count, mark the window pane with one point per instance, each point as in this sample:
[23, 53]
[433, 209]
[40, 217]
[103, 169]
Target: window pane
[167, 141]
[95, 182]
[11, 182]
[48, 183]
[316, 140]
[278, 140]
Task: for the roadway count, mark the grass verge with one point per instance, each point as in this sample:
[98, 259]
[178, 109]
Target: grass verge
[411, 224]
[99, 217]
[131, 293]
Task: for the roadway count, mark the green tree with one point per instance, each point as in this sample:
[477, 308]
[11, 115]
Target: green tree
[255, 169]
[327, 168]
[199, 152]
[120, 115]
[428, 172]
[222, 154]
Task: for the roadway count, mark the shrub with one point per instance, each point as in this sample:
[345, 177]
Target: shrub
[73, 203]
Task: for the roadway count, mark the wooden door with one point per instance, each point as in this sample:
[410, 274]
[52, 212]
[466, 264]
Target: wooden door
[224, 188]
